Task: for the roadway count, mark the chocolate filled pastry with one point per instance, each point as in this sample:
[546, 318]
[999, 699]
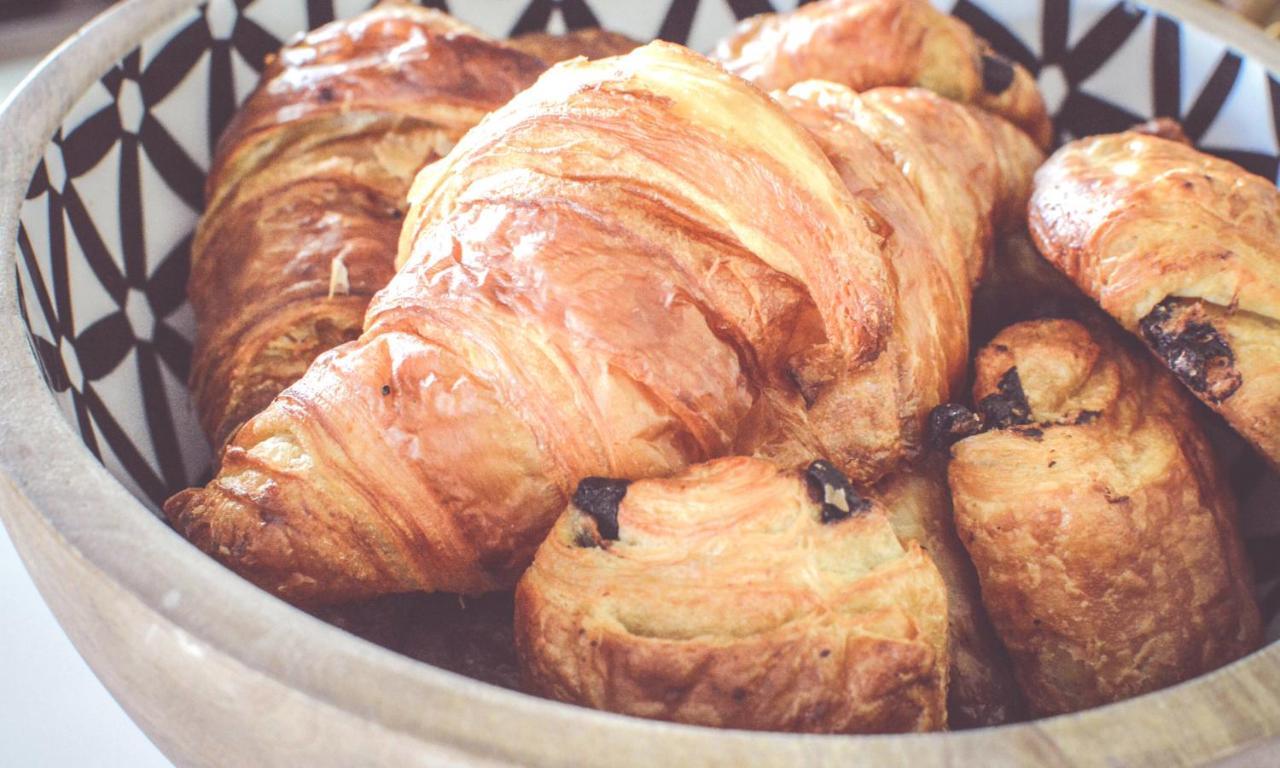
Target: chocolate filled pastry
[863, 44]
[1101, 527]
[305, 198]
[1183, 249]
[600, 279]
[981, 690]
[592, 42]
[739, 595]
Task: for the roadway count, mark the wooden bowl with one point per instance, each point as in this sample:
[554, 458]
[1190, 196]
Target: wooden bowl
[219, 673]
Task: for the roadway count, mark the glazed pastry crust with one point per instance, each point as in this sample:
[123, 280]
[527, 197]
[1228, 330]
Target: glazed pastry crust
[592, 42]
[726, 601]
[614, 310]
[981, 690]
[865, 44]
[937, 180]
[1102, 530]
[305, 198]
[1180, 248]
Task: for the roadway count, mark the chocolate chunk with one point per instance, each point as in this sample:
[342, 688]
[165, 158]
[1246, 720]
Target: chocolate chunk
[1194, 350]
[1087, 417]
[997, 73]
[1008, 406]
[950, 423]
[829, 487]
[599, 497]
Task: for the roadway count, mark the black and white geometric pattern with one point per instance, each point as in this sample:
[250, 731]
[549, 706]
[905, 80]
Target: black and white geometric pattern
[105, 230]
[1104, 66]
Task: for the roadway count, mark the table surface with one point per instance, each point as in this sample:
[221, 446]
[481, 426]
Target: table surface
[53, 711]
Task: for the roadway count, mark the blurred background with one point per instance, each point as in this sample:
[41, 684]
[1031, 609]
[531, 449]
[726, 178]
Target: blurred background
[31, 28]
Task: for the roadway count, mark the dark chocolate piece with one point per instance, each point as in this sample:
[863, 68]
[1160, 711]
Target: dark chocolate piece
[1008, 407]
[997, 73]
[1192, 348]
[1087, 417]
[599, 497]
[950, 423]
[829, 487]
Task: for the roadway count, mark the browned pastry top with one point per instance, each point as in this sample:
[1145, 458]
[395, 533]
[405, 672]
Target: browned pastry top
[1183, 249]
[306, 193]
[1136, 218]
[868, 43]
[937, 179]
[592, 42]
[397, 59]
[737, 595]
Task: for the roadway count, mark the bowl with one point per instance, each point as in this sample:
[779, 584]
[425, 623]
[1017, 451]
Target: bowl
[100, 185]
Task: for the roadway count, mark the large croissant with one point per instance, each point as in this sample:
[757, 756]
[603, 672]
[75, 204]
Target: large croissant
[305, 197]
[629, 268]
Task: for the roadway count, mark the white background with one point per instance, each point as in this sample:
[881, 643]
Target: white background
[53, 711]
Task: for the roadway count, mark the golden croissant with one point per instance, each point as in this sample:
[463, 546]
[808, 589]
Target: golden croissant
[1183, 249]
[635, 265]
[306, 193]
[868, 43]
[1101, 526]
[738, 595]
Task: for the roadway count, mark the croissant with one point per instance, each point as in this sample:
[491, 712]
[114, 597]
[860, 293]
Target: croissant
[981, 690]
[937, 180]
[592, 42]
[868, 43]
[306, 193]
[612, 307]
[1101, 527]
[1180, 248]
[739, 595]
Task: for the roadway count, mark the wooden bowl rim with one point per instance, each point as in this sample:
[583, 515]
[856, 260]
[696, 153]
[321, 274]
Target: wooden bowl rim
[66, 492]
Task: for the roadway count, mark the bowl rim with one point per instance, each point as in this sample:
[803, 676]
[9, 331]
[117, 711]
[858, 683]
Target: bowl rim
[66, 490]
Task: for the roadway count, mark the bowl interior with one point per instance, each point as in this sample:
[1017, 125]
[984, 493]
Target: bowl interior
[105, 228]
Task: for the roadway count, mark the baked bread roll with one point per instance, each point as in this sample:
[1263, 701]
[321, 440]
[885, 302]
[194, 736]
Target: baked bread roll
[1101, 527]
[612, 310]
[937, 180]
[1183, 249]
[869, 43]
[592, 42]
[981, 690]
[305, 198]
[738, 595]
